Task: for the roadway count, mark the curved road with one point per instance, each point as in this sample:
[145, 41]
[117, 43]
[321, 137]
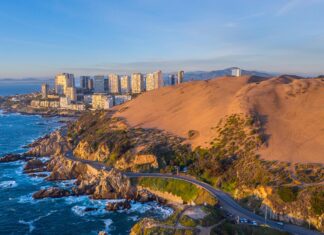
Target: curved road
[224, 199]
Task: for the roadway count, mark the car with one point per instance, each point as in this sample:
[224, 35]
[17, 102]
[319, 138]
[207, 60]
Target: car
[280, 223]
[254, 223]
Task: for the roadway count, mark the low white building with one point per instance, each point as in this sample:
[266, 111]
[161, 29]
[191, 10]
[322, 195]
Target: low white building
[102, 101]
[119, 99]
[236, 72]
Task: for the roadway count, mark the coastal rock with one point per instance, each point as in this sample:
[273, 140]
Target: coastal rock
[84, 151]
[11, 158]
[102, 233]
[114, 206]
[144, 195]
[52, 192]
[137, 161]
[101, 184]
[34, 165]
[53, 144]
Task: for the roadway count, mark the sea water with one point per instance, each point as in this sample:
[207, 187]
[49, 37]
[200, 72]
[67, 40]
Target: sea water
[21, 214]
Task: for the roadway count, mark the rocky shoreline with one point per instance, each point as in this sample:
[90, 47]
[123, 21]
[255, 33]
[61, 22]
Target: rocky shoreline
[90, 181]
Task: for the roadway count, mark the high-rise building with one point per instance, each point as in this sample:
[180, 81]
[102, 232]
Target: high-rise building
[172, 79]
[71, 93]
[102, 101]
[106, 84]
[154, 80]
[62, 81]
[114, 84]
[99, 84]
[44, 90]
[236, 72]
[90, 84]
[84, 82]
[137, 83]
[125, 85]
[180, 77]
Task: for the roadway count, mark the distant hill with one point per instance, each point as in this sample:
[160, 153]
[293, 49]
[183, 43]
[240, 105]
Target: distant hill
[26, 80]
[204, 75]
[290, 107]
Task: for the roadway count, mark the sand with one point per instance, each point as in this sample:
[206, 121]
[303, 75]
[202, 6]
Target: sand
[292, 109]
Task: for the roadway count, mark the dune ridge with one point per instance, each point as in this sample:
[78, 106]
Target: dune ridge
[291, 109]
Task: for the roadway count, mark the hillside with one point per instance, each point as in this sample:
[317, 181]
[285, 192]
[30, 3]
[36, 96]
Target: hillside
[204, 75]
[291, 110]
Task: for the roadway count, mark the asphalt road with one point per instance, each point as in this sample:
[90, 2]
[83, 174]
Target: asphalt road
[226, 201]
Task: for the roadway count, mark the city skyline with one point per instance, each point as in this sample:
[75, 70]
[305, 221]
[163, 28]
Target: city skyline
[39, 39]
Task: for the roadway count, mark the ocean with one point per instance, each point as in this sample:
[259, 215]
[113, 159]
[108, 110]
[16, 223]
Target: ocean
[21, 214]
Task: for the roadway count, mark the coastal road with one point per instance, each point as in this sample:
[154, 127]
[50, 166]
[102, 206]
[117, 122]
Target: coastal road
[225, 200]
[229, 204]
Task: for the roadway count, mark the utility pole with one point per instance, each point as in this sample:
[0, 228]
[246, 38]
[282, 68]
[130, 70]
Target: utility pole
[265, 216]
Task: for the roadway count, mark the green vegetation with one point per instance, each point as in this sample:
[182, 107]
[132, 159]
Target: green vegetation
[192, 134]
[187, 221]
[213, 216]
[317, 202]
[187, 191]
[239, 229]
[288, 194]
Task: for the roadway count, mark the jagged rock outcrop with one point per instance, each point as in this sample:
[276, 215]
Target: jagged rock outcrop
[120, 205]
[137, 161]
[52, 192]
[34, 165]
[296, 212]
[100, 184]
[84, 151]
[53, 144]
[144, 195]
[11, 158]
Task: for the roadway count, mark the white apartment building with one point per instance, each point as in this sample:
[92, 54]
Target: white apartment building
[102, 101]
[180, 77]
[236, 72]
[71, 93]
[119, 99]
[62, 81]
[154, 80]
[137, 83]
[114, 84]
[99, 84]
[125, 85]
[44, 89]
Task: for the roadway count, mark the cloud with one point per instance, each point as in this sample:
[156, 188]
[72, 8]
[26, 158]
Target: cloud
[293, 4]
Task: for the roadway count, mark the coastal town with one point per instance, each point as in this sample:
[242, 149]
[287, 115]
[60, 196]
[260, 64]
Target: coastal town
[99, 92]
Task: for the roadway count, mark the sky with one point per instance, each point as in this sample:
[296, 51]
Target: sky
[86, 37]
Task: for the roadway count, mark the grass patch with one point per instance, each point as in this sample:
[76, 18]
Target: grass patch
[288, 194]
[187, 191]
[317, 202]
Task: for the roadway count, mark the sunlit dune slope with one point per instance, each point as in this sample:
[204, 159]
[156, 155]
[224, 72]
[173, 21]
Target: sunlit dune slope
[291, 108]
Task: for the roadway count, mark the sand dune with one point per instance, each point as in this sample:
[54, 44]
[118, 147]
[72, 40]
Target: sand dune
[292, 109]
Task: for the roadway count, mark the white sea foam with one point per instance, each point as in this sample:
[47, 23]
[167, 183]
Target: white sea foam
[31, 222]
[133, 218]
[81, 211]
[108, 223]
[151, 206]
[8, 184]
[65, 183]
[44, 159]
[73, 199]
[27, 199]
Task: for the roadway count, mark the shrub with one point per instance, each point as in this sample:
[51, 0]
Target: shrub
[317, 202]
[187, 221]
[288, 194]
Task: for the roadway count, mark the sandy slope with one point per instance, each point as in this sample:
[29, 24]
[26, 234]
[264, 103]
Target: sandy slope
[292, 110]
